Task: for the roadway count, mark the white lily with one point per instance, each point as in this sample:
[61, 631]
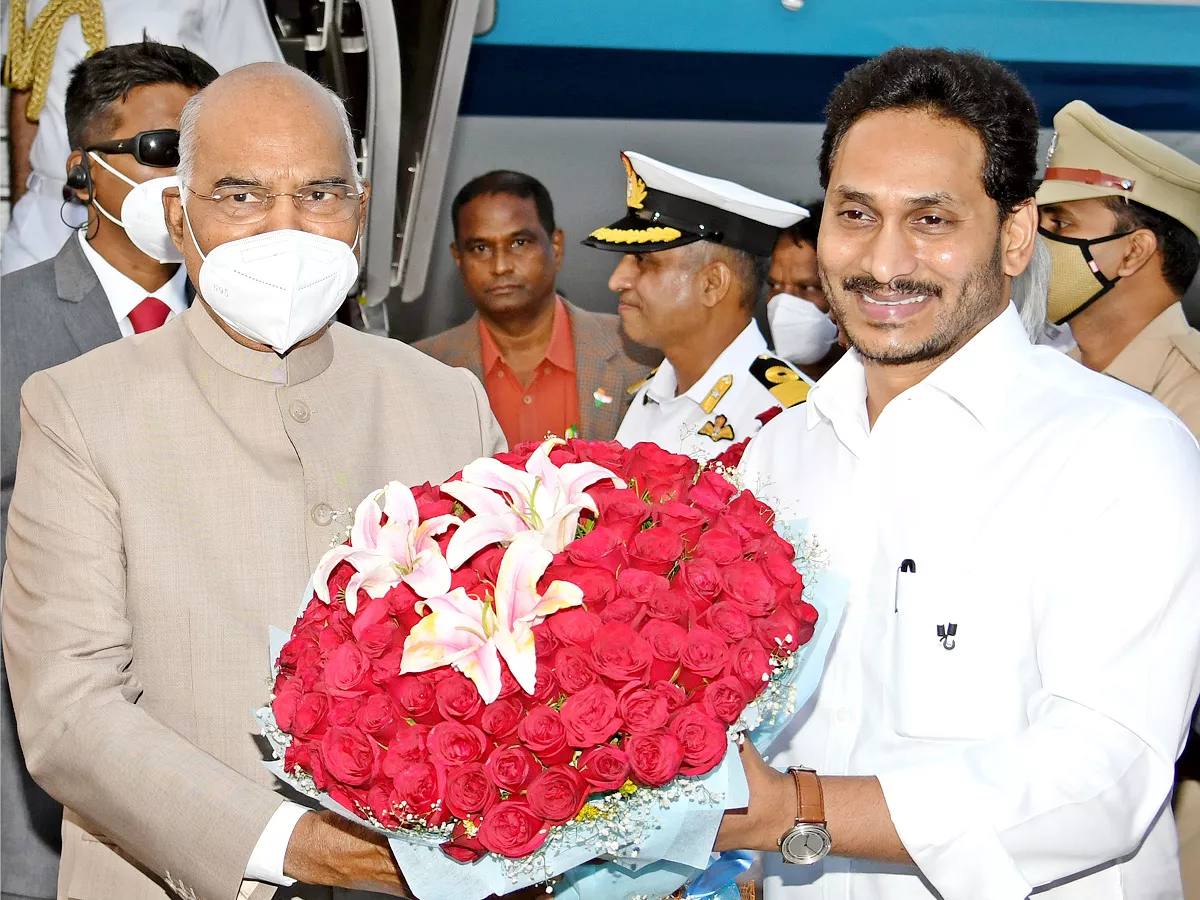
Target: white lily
[544, 498]
[474, 635]
[384, 555]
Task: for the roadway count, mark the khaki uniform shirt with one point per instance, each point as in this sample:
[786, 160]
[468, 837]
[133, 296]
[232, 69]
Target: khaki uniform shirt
[1164, 361]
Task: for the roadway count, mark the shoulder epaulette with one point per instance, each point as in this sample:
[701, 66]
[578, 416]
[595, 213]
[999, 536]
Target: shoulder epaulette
[777, 376]
[634, 388]
[1188, 346]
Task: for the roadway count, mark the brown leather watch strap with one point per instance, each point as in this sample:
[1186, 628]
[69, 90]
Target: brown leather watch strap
[810, 798]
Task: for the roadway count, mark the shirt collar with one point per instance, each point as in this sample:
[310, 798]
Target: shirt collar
[124, 294]
[561, 351]
[734, 360]
[299, 365]
[1139, 363]
[977, 377]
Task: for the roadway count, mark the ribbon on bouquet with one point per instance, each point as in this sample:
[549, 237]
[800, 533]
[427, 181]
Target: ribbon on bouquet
[719, 880]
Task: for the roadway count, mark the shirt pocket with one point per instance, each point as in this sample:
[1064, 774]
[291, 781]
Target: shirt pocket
[951, 680]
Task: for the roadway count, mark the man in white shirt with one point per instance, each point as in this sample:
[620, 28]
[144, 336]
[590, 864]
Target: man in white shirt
[99, 287]
[228, 33]
[697, 251]
[1012, 680]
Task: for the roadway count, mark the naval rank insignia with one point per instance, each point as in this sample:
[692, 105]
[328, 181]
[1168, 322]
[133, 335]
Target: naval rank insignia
[718, 429]
[719, 390]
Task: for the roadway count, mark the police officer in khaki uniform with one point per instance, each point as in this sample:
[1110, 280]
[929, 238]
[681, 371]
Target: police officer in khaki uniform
[697, 252]
[1121, 214]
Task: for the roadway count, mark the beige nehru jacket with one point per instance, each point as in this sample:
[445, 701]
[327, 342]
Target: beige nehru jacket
[1164, 361]
[174, 492]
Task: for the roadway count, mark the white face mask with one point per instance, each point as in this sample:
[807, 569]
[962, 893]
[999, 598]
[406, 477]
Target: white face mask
[278, 287]
[803, 334]
[142, 215]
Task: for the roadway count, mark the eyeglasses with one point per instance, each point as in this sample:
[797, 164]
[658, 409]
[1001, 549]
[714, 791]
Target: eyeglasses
[242, 205]
[150, 148]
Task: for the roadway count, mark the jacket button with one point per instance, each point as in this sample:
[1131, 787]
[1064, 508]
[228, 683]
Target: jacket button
[322, 514]
[299, 411]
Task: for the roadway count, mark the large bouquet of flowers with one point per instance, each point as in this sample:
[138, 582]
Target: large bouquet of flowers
[516, 671]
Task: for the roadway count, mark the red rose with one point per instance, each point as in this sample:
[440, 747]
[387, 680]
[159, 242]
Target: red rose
[666, 641]
[415, 698]
[620, 655]
[598, 585]
[623, 511]
[298, 647]
[545, 687]
[725, 698]
[458, 698]
[349, 755]
[605, 768]
[622, 609]
[516, 457]
[656, 550]
[700, 579]
[382, 801]
[672, 606]
[657, 473]
[752, 514]
[807, 612]
[500, 718]
[684, 520]
[640, 585]
[468, 790]
[297, 756]
[750, 664]
[377, 639]
[720, 546]
[343, 710]
[461, 847]
[285, 703]
[387, 665]
[729, 619]
[557, 794]
[402, 601]
[544, 641]
[748, 586]
[353, 799]
[600, 548]
[607, 454]
[333, 636]
[511, 768]
[781, 631]
[703, 739]
[542, 731]
[420, 789]
[654, 757]
[711, 492]
[675, 696]
[508, 684]
[371, 611]
[642, 709]
[406, 748]
[309, 720]
[456, 743]
[347, 671]
[731, 456]
[466, 578]
[377, 717]
[574, 627]
[487, 563]
[573, 670]
[705, 654]
[590, 717]
[511, 829]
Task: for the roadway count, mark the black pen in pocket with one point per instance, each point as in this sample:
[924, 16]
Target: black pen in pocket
[907, 567]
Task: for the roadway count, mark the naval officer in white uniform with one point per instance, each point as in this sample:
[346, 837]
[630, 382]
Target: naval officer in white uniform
[697, 251]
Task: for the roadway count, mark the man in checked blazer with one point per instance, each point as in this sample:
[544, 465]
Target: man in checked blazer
[174, 492]
[548, 366]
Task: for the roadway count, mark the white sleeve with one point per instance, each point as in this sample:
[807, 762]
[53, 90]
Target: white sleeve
[237, 33]
[1117, 637]
[266, 860]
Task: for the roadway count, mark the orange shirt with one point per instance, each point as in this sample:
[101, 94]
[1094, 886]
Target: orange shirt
[550, 403]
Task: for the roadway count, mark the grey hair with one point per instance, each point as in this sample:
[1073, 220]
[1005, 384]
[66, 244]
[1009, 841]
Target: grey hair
[187, 137]
[1031, 291]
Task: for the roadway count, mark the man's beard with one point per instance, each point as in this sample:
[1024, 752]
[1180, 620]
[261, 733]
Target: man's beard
[977, 299]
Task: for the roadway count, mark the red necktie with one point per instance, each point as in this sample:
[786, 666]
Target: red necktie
[148, 315]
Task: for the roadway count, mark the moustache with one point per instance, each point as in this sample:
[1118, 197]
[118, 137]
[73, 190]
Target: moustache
[860, 284]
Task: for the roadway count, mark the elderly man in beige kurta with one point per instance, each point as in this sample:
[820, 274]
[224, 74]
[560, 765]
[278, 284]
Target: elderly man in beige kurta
[174, 492]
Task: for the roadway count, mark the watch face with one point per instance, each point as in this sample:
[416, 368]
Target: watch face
[805, 844]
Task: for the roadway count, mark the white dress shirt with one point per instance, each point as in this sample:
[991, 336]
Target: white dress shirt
[724, 402]
[1053, 515]
[124, 293]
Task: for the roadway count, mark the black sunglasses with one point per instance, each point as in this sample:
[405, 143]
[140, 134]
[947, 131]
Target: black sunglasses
[150, 148]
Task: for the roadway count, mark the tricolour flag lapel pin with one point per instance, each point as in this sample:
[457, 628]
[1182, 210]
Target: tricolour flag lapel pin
[602, 397]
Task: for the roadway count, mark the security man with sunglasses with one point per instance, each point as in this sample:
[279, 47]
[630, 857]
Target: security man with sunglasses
[1120, 213]
[118, 276]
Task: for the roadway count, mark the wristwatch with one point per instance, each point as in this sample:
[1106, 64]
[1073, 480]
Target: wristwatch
[808, 840]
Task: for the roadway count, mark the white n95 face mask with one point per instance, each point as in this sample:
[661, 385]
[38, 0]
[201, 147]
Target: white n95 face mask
[142, 215]
[802, 333]
[278, 287]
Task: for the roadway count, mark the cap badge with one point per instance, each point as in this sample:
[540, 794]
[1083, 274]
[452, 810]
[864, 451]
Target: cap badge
[1052, 148]
[635, 188]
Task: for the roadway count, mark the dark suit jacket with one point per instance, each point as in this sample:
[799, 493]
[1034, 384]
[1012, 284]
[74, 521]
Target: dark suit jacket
[604, 359]
[50, 312]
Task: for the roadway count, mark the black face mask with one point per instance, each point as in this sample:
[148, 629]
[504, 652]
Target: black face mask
[1074, 276]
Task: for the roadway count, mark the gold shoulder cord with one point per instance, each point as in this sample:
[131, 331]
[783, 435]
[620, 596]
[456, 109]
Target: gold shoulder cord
[31, 50]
